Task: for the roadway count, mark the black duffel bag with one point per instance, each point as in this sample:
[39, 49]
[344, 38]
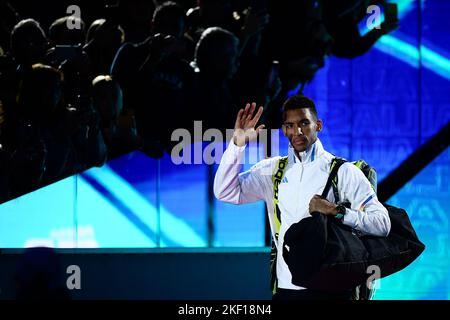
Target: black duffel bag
[324, 254]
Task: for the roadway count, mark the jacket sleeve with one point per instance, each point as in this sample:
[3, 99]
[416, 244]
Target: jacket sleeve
[246, 187]
[366, 214]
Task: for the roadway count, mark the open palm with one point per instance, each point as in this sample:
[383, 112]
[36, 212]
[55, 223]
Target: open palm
[244, 128]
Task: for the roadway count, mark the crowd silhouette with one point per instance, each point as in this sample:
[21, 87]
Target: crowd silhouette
[73, 98]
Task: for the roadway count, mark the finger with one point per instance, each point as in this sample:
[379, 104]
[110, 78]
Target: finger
[250, 114]
[259, 128]
[244, 116]
[238, 124]
[255, 119]
[258, 114]
[252, 109]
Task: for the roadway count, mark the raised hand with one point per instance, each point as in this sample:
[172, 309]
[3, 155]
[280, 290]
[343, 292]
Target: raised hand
[244, 128]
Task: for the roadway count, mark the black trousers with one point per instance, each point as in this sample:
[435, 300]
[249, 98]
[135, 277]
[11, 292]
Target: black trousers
[307, 294]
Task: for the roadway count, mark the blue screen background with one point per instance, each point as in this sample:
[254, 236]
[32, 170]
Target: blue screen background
[379, 107]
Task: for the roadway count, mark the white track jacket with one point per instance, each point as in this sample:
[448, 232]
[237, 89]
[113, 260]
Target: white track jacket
[304, 177]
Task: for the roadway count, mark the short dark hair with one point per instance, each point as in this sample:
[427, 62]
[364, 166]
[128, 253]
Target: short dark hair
[169, 8]
[22, 29]
[212, 42]
[299, 101]
[60, 34]
[34, 83]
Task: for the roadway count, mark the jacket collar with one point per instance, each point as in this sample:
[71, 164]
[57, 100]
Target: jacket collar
[309, 155]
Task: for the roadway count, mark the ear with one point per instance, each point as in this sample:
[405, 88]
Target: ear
[284, 130]
[319, 125]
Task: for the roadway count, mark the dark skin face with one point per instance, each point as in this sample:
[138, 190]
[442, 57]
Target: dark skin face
[301, 127]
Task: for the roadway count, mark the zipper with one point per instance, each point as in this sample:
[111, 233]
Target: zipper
[303, 168]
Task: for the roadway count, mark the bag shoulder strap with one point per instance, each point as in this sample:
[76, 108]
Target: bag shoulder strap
[336, 163]
[277, 177]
